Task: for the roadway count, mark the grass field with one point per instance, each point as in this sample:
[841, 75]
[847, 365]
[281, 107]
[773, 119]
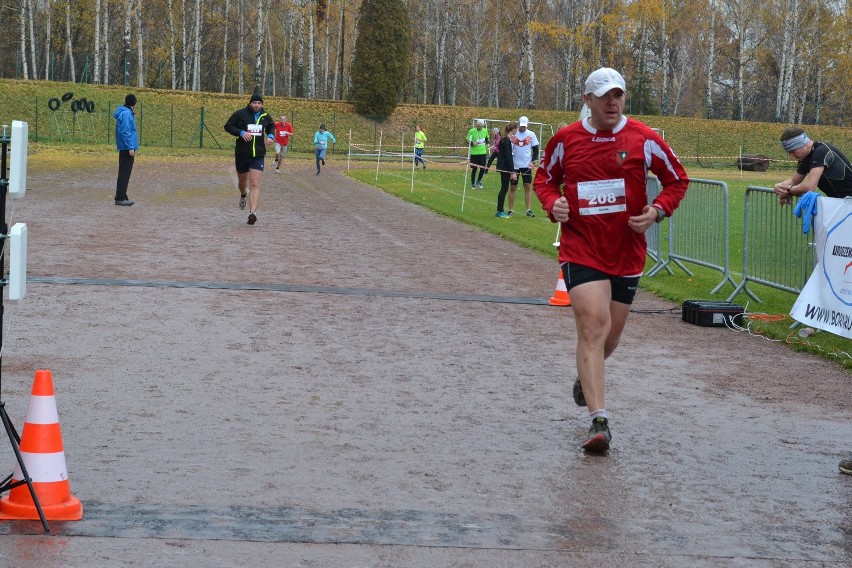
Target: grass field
[442, 189]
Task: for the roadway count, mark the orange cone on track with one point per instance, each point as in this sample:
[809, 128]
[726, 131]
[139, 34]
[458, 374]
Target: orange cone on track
[44, 457]
[560, 296]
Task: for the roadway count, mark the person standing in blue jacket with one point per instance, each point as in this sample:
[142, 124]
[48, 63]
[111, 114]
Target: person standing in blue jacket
[321, 139]
[127, 143]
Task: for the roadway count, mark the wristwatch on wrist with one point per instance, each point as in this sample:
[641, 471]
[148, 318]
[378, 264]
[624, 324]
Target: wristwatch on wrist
[660, 213]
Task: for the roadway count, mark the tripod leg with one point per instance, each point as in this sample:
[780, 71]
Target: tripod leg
[13, 439]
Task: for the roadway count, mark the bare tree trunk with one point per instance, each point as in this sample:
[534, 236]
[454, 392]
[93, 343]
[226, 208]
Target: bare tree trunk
[32, 39]
[528, 51]
[270, 58]
[140, 47]
[225, 47]
[184, 48]
[172, 62]
[262, 10]
[48, 34]
[300, 57]
[23, 18]
[338, 69]
[788, 56]
[494, 71]
[741, 64]
[312, 73]
[196, 47]
[128, 13]
[291, 19]
[664, 68]
[327, 64]
[711, 59]
[68, 42]
[439, 88]
[241, 46]
[97, 73]
[105, 41]
[818, 95]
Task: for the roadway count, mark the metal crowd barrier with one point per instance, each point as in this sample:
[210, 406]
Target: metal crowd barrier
[698, 231]
[775, 251]
[654, 235]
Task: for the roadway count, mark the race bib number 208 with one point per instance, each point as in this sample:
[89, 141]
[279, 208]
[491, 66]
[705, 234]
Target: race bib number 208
[601, 196]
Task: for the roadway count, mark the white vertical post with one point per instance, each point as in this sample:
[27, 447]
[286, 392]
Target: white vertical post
[379, 157]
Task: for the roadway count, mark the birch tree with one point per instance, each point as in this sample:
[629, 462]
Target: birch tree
[196, 47]
[97, 66]
[23, 46]
[140, 47]
[30, 18]
[227, 10]
[788, 58]
[48, 36]
[172, 62]
[104, 39]
[528, 53]
[68, 41]
[262, 9]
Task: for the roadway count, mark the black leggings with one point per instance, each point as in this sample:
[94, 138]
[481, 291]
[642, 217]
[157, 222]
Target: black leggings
[478, 161]
[505, 178]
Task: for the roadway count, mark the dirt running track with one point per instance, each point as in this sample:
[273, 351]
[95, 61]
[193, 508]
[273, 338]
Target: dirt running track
[357, 382]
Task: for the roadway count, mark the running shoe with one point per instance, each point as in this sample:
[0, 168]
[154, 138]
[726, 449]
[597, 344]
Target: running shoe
[277, 171]
[530, 213]
[479, 185]
[502, 215]
[579, 397]
[599, 436]
[846, 466]
[323, 162]
[243, 201]
[510, 213]
[252, 219]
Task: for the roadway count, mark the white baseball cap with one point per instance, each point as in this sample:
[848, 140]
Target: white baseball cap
[523, 121]
[603, 80]
[480, 122]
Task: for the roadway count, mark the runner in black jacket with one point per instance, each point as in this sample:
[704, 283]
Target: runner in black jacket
[249, 125]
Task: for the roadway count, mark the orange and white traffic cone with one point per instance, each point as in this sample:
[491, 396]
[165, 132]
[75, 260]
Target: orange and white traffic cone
[44, 457]
[560, 296]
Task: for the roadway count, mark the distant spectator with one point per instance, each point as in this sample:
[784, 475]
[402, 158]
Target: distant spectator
[127, 143]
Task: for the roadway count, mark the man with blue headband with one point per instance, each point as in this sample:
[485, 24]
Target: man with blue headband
[820, 166]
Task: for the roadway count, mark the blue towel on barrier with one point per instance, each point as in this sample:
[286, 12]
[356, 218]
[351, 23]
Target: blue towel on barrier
[807, 206]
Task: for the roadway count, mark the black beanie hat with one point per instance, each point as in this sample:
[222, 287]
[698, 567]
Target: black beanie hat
[130, 100]
[256, 97]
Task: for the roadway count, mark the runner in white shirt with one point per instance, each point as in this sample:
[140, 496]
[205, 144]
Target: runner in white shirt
[524, 154]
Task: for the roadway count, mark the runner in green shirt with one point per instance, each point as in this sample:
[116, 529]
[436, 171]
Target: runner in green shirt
[477, 137]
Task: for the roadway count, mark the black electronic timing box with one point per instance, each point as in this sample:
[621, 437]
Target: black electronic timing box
[709, 313]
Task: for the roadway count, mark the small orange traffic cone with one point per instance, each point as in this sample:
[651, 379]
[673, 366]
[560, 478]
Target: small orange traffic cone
[44, 457]
[560, 296]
